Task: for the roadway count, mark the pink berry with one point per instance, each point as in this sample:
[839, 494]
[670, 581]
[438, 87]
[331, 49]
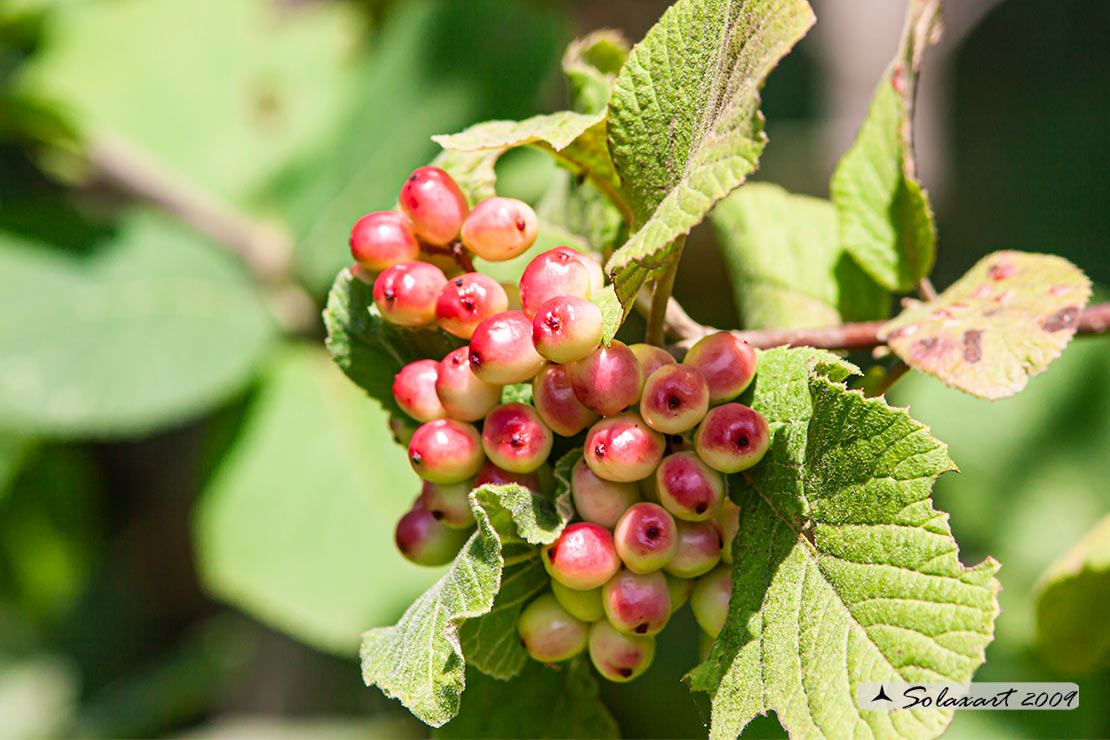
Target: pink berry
[463, 394]
[732, 438]
[448, 502]
[406, 293]
[583, 557]
[598, 500]
[651, 358]
[515, 438]
[492, 475]
[645, 537]
[501, 349]
[467, 299]
[675, 399]
[593, 267]
[584, 605]
[556, 403]
[608, 379]
[623, 448]
[553, 273]
[499, 229]
[699, 548]
[566, 328]
[434, 204]
[414, 389]
[382, 239]
[446, 451]
[727, 363]
[637, 602]
[709, 600]
[728, 518]
[426, 541]
[618, 656]
[550, 634]
[688, 488]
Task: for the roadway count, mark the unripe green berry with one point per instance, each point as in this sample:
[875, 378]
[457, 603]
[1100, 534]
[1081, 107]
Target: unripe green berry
[449, 503]
[549, 633]
[584, 605]
[710, 598]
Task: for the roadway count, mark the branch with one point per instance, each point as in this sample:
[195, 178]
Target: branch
[661, 297]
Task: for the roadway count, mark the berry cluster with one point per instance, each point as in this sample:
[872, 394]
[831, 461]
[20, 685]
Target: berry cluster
[657, 436]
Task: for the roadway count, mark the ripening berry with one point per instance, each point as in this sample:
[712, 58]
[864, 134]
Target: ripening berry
[710, 597]
[675, 399]
[732, 438]
[729, 520]
[406, 294]
[464, 395]
[651, 358]
[434, 204]
[623, 448]
[583, 557]
[593, 267]
[446, 451]
[554, 399]
[585, 605]
[414, 389]
[402, 430]
[501, 349]
[598, 500]
[637, 602]
[699, 548]
[555, 272]
[645, 537]
[549, 633]
[492, 475]
[688, 488]
[448, 503]
[618, 656]
[566, 328]
[382, 239]
[515, 438]
[499, 229]
[727, 363]
[607, 380]
[679, 589]
[467, 299]
[425, 540]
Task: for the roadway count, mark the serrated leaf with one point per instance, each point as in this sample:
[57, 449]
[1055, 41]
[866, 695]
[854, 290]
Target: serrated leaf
[1006, 319]
[591, 64]
[1073, 599]
[684, 123]
[843, 572]
[786, 264]
[472, 171]
[885, 219]
[420, 661]
[369, 349]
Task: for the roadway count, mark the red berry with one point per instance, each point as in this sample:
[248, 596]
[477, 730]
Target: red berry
[645, 537]
[499, 229]
[585, 605]
[446, 451]
[727, 363]
[515, 438]
[598, 500]
[435, 205]
[732, 438]
[593, 267]
[414, 389]
[688, 488]
[608, 379]
[382, 239]
[501, 349]
[675, 398]
[638, 603]
[467, 299]
[426, 541]
[555, 272]
[566, 328]
[623, 448]
[618, 656]
[554, 399]
[406, 294]
[583, 557]
[699, 548]
[463, 394]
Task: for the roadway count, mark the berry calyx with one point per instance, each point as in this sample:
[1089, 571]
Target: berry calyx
[448, 503]
[675, 398]
[554, 399]
[699, 548]
[598, 500]
[414, 389]
[688, 488]
[549, 633]
[710, 597]
[467, 299]
[584, 605]
[425, 540]
[651, 358]
[446, 451]
[555, 272]
[515, 438]
[566, 328]
[435, 205]
[382, 239]
[499, 229]
[608, 379]
[583, 557]
[623, 448]
[618, 656]
[728, 364]
[406, 293]
[637, 603]
[501, 349]
[645, 537]
[463, 394]
[732, 438]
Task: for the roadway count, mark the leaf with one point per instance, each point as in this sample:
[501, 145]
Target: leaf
[554, 702]
[684, 123]
[369, 349]
[1007, 318]
[611, 312]
[885, 219]
[419, 660]
[591, 64]
[155, 327]
[14, 450]
[1073, 598]
[786, 264]
[843, 573]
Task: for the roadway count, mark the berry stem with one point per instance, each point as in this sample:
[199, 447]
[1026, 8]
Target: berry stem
[661, 296]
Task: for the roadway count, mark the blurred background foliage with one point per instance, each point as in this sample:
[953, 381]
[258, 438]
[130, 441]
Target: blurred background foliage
[196, 507]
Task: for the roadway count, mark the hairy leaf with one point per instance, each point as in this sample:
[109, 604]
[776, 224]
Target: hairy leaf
[885, 219]
[1073, 599]
[369, 349]
[843, 573]
[611, 312]
[419, 661]
[684, 123]
[786, 264]
[1006, 319]
[591, 64]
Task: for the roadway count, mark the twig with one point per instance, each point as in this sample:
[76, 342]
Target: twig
[925, 289]
[661, 296]
[892, 376]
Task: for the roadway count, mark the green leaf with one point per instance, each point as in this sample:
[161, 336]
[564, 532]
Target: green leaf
[296, 524]
[843, 572]
[14, 450]
[543, 701]
[582, 210]
[591, 64]
[419, 660]
[786, 264]
[611, 312]
[369, 349]
[684, 123]
[1006, 319]
[885, 219]
[1073, 599]
[472, 171]
[156, 326]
